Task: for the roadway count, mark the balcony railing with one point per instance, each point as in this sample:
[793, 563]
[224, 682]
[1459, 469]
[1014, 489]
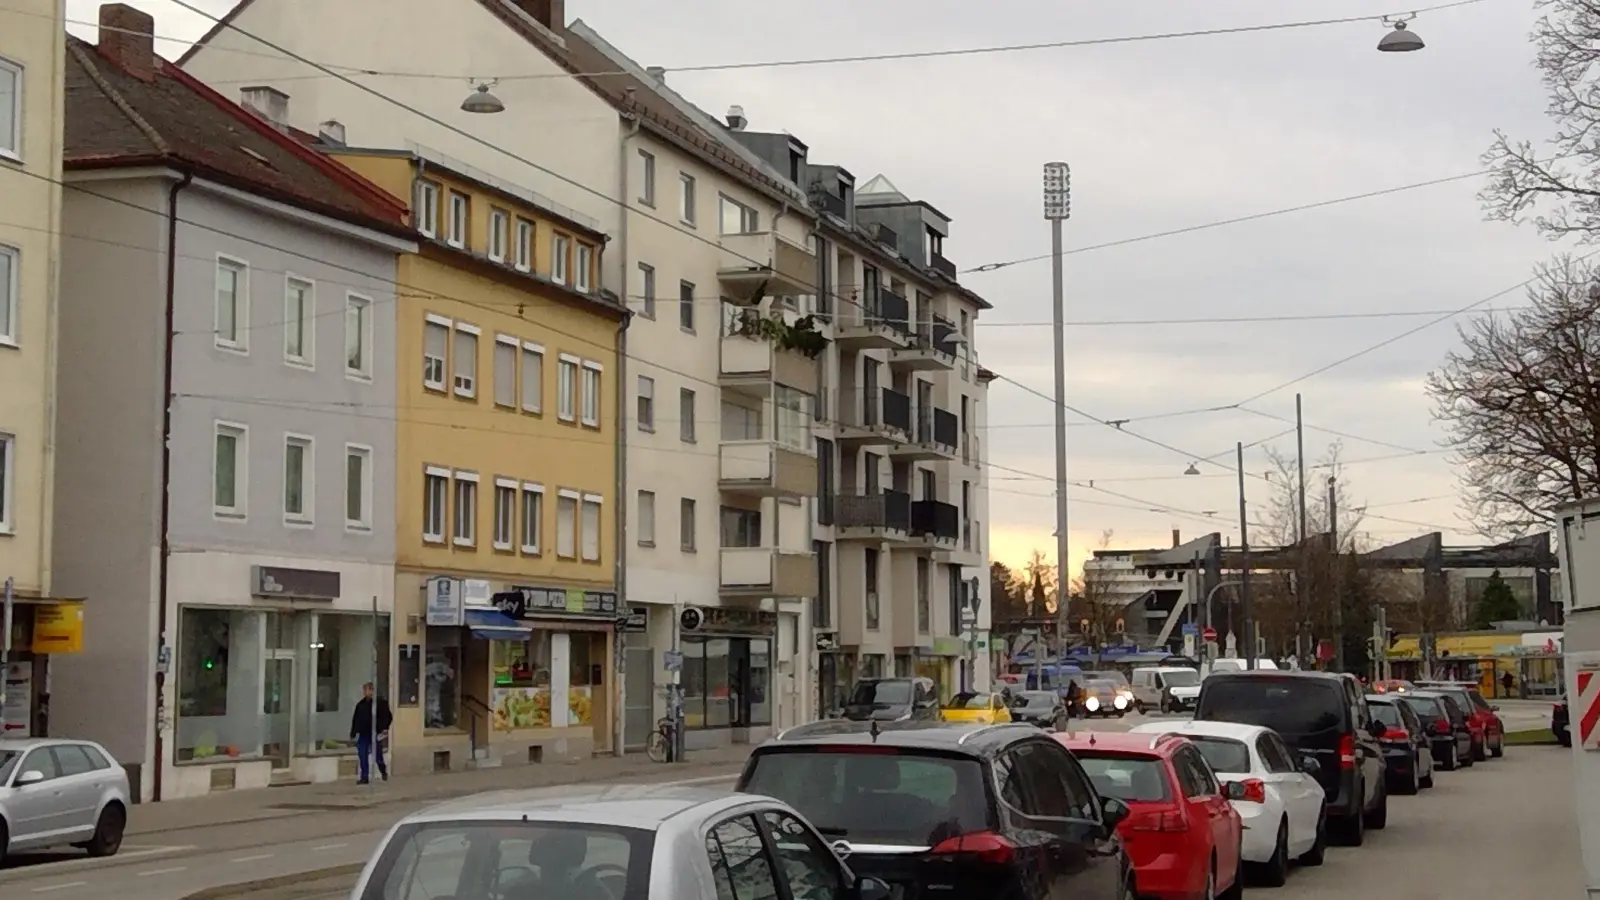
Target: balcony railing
[936, 519]
[896, 410]
[891, 310]
[829, 202]
[943, 266]
[888, 509]
[946, 428]
[885, 235]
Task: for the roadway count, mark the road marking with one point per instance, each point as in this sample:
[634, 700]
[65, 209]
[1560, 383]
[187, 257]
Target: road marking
[328, 847]
[58, 887]
[152, 851]
[245, 859]
[167, 871]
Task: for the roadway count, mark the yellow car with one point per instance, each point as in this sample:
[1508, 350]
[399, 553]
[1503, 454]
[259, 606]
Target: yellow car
[982, 709]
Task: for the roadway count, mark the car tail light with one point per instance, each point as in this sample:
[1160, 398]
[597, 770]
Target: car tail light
[1167, 820]
[1441, 726]
[1347, 751]
[1396, 733]
[985, 845]
[1255, 790]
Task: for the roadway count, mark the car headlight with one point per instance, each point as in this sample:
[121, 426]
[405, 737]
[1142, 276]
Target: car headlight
[1092, 704]
[1121, 701]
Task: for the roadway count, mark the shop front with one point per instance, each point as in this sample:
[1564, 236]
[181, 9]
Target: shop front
[40, 629]
[727, 677]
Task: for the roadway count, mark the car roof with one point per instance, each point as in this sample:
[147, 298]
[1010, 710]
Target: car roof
[1282, 674]
[644, 806]
[1120, 742]
[1239, 731]
[917, 734]
[32, 742]
[1382, 698]
[1165, 669]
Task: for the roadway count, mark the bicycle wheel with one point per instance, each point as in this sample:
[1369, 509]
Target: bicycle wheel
[656, 747]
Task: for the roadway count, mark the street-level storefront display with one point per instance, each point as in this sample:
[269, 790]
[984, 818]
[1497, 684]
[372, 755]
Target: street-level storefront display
[40, 629]
[727, 677]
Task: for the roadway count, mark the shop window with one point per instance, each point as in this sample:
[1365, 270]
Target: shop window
[521, 672]
[719, 691]
[442, 674]
[587, 656]
[694, 683]
[219, 684]
[350, 649]
[758, 678]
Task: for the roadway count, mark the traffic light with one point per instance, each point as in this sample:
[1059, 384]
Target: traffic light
[1394, 637]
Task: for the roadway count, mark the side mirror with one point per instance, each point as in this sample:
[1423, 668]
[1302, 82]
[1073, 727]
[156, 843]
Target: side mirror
[868, 887]
[1494, 707]
[1114, 811]
[1233, 790]
[1309, 765]
[1375, 728]
[32, 776]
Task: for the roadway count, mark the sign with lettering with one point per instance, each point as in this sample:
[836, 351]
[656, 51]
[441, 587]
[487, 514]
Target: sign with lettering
[444, 601]
[275, 583]
[532, 602]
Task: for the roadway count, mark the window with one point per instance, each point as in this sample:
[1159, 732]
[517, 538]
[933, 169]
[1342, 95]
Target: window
[9, 295]
[870, 572]
[647, 291]
[429, 860]
[357, 335]
[590, 526]
[532, 517]
[524, 260]
[791, 410]
[297, 469]
[532, 377]
[230, 470]
[233, 305]
[8, 457]
[505, 371]
[560, 258]
[441, 705]
[499, 234]
[735, 217]
[357, 488]
[465, 532]
[591, 394]
[435, 345]
[298, 315]
[425, 214]
[505, 513]
[466, 360]
[686, 306]
[741, 527]
[219, 684]
[739, 865]
[966, 344]
[646, 412]
[582, 279]
[808, 865]
[10, 109]
[924, 598]
[645, 516]
[686, 202]
[686, 539]
[456, 234]
[567, 525]
[647, 178]
[566, 386]
[686, 415]
[435, 485]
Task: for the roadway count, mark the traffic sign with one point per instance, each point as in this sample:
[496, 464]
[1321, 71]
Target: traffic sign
[1588, 706]
[1208, 633]
[1190, 628]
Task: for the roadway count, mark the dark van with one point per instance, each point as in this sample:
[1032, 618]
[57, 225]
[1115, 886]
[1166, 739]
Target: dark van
[892, 699]
[1324, 716]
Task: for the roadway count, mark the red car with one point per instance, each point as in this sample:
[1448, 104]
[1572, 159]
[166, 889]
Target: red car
[1483, 720]
[1182, 833]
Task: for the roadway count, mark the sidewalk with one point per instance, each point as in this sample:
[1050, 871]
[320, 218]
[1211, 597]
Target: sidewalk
[236, 807]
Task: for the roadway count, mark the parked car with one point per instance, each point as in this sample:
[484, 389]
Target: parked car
[1046, 709]
[1282, 803]
[1488, 732]
[1559, 723]
[1392, 686]
[1321, 715]
[1407, 752]
[1106, 697]
[947, 810]
[1450, 733]
[980, 707]
[1182, 833]
[1234, 664]
[56, 792]
[892, 699]
[638, 841]
[1165, 688]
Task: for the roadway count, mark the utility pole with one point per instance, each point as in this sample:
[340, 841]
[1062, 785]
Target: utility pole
[1302, 634]
[1244, 558]
[7, 600]
[1338, 595]
[1057, 209]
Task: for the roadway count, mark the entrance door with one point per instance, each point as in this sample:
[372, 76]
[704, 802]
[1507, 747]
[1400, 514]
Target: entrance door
[639, 691]
[277, 704]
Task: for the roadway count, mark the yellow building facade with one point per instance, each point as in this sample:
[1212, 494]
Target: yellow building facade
[506, 474]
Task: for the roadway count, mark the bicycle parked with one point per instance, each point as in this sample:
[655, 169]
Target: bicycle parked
[662, 740]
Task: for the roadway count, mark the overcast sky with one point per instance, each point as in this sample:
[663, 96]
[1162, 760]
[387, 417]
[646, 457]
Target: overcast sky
[1161, 135]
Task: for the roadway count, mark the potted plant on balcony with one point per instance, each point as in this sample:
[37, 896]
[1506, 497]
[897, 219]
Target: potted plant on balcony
[802, 337]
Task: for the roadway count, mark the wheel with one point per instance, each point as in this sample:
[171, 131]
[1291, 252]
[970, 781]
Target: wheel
[1466, 761]
[1275, 871]
[1353, 828]
[5, 839]
[656, 747]
[1319, 849]
[107, 838]
[1138, 707]
[1166, 705]
[1235, 890]
[1379, 817]
[1480, 750]
[1414, 785]
[1499, 748]
[1121, 713]
[1449, 762]
[1426, 781]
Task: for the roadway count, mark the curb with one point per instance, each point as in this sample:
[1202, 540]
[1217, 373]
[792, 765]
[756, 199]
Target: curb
[229, 891]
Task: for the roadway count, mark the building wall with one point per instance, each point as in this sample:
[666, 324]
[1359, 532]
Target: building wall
[30, 38]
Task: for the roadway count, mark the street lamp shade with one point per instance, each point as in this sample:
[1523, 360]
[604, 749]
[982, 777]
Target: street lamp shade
[1400, 40]
[1192, 470]
[1057, 190]
[481, 101]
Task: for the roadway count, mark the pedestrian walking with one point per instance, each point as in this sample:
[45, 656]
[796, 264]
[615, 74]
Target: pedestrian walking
[1508, 680]
[369, 730]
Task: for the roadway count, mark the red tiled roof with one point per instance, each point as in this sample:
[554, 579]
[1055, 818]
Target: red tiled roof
[114, 119]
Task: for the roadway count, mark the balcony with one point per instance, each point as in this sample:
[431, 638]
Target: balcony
[933, 347]
[934, 439]
[870, 418]
[831, 203]
[935, 525]
[945, 267]
[763, 468]
[753, 359]
[884, 516]
[767, 572]
[879, 320]
[765, 264]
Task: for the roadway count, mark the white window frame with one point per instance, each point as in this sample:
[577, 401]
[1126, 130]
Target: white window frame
[427, 203]
[440, 472]
[240, 343]
[460, 477]
[535, 491]
[456, 225]
[647, 290]
[16, 71]
[515, 345]
[10, 299]
[444, 362]
[241, 470]
[590, 416]
[583, 263]
[567, 367]
[306, 517]
[307, 358]
[499, 234]
[364, 453]
[689, 539]
[645, 403]
[647, 178]
[535, 403]
[363, 303]
[688, 199]
[576, 498]
[510, 536]
[8, 481]
[599, 504]
[524, 246]
[560, 257]
[470, 389]
[647, 523]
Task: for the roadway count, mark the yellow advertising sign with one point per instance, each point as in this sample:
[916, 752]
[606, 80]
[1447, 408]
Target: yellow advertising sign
[58, 628]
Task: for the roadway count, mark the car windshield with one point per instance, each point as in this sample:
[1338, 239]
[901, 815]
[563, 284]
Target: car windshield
[522, 859]
[881, 693]
[1293, 707]
[1224, 754]
[1387, 713]
[970, 701]
[867, 796]
[1113, 677]
[1180, 678]
[1037, 700]
[1103, 684]
[8, 761]
[1136, 779]
[1424, 707]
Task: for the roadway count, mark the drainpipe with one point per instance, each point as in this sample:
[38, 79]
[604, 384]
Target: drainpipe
[621, 450]
[163, 564]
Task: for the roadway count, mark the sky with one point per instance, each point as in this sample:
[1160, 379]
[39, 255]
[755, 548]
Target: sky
[1161, 134]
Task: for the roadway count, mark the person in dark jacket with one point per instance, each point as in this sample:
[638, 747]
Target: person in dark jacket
[369, 734]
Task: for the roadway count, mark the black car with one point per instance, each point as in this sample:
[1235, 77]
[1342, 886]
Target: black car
[1324, 716]
[946, 810]
[1452, 747]
[1559, 723]
[892, 699]
[1045, 709]
[1407, 752]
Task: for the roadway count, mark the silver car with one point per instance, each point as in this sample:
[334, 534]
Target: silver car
[640, 842]
[55, 792]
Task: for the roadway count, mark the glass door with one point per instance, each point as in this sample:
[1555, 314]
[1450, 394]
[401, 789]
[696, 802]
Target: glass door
[277, 689]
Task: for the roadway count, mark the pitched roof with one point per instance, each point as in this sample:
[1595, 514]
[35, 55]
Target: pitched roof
[116, 119]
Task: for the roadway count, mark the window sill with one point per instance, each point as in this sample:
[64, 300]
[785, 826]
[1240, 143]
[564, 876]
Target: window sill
[687, 440]
[8, 341]
[436, 539]
[506, 406]
[435, 388]
[530, 551]
[228, 515]
[460, 394]
[688, 550]
[567, 420]
[357, 528]
[304, 365]
[533, 412]
[467, 543]
[236, 349]
[6, 530]
[647, 201]
[647, 429]
[595, 425]
[650, 544]
[10, 156]
[357, 375]
[299, 524]
[503, 548]
[688, 222]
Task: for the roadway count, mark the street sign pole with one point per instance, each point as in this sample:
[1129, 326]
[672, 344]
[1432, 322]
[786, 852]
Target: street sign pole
[5, 650]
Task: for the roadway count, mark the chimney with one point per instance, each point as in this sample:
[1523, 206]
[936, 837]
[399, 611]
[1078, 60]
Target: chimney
[1176, 539]
[736, 119]
[127, 38]
[267, 102]
[331, 132]
[658, 73]
[552, 14]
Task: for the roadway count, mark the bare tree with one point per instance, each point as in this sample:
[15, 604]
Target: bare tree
[1041, 576]
[1093, 607]
[1520, 402]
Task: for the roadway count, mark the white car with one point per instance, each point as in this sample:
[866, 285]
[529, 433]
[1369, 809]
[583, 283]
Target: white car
[55, 793]
[1282, 808]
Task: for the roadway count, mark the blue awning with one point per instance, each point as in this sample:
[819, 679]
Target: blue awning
[494, 625]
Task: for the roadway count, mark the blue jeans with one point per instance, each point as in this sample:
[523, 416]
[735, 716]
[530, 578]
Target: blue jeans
[366, 748]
